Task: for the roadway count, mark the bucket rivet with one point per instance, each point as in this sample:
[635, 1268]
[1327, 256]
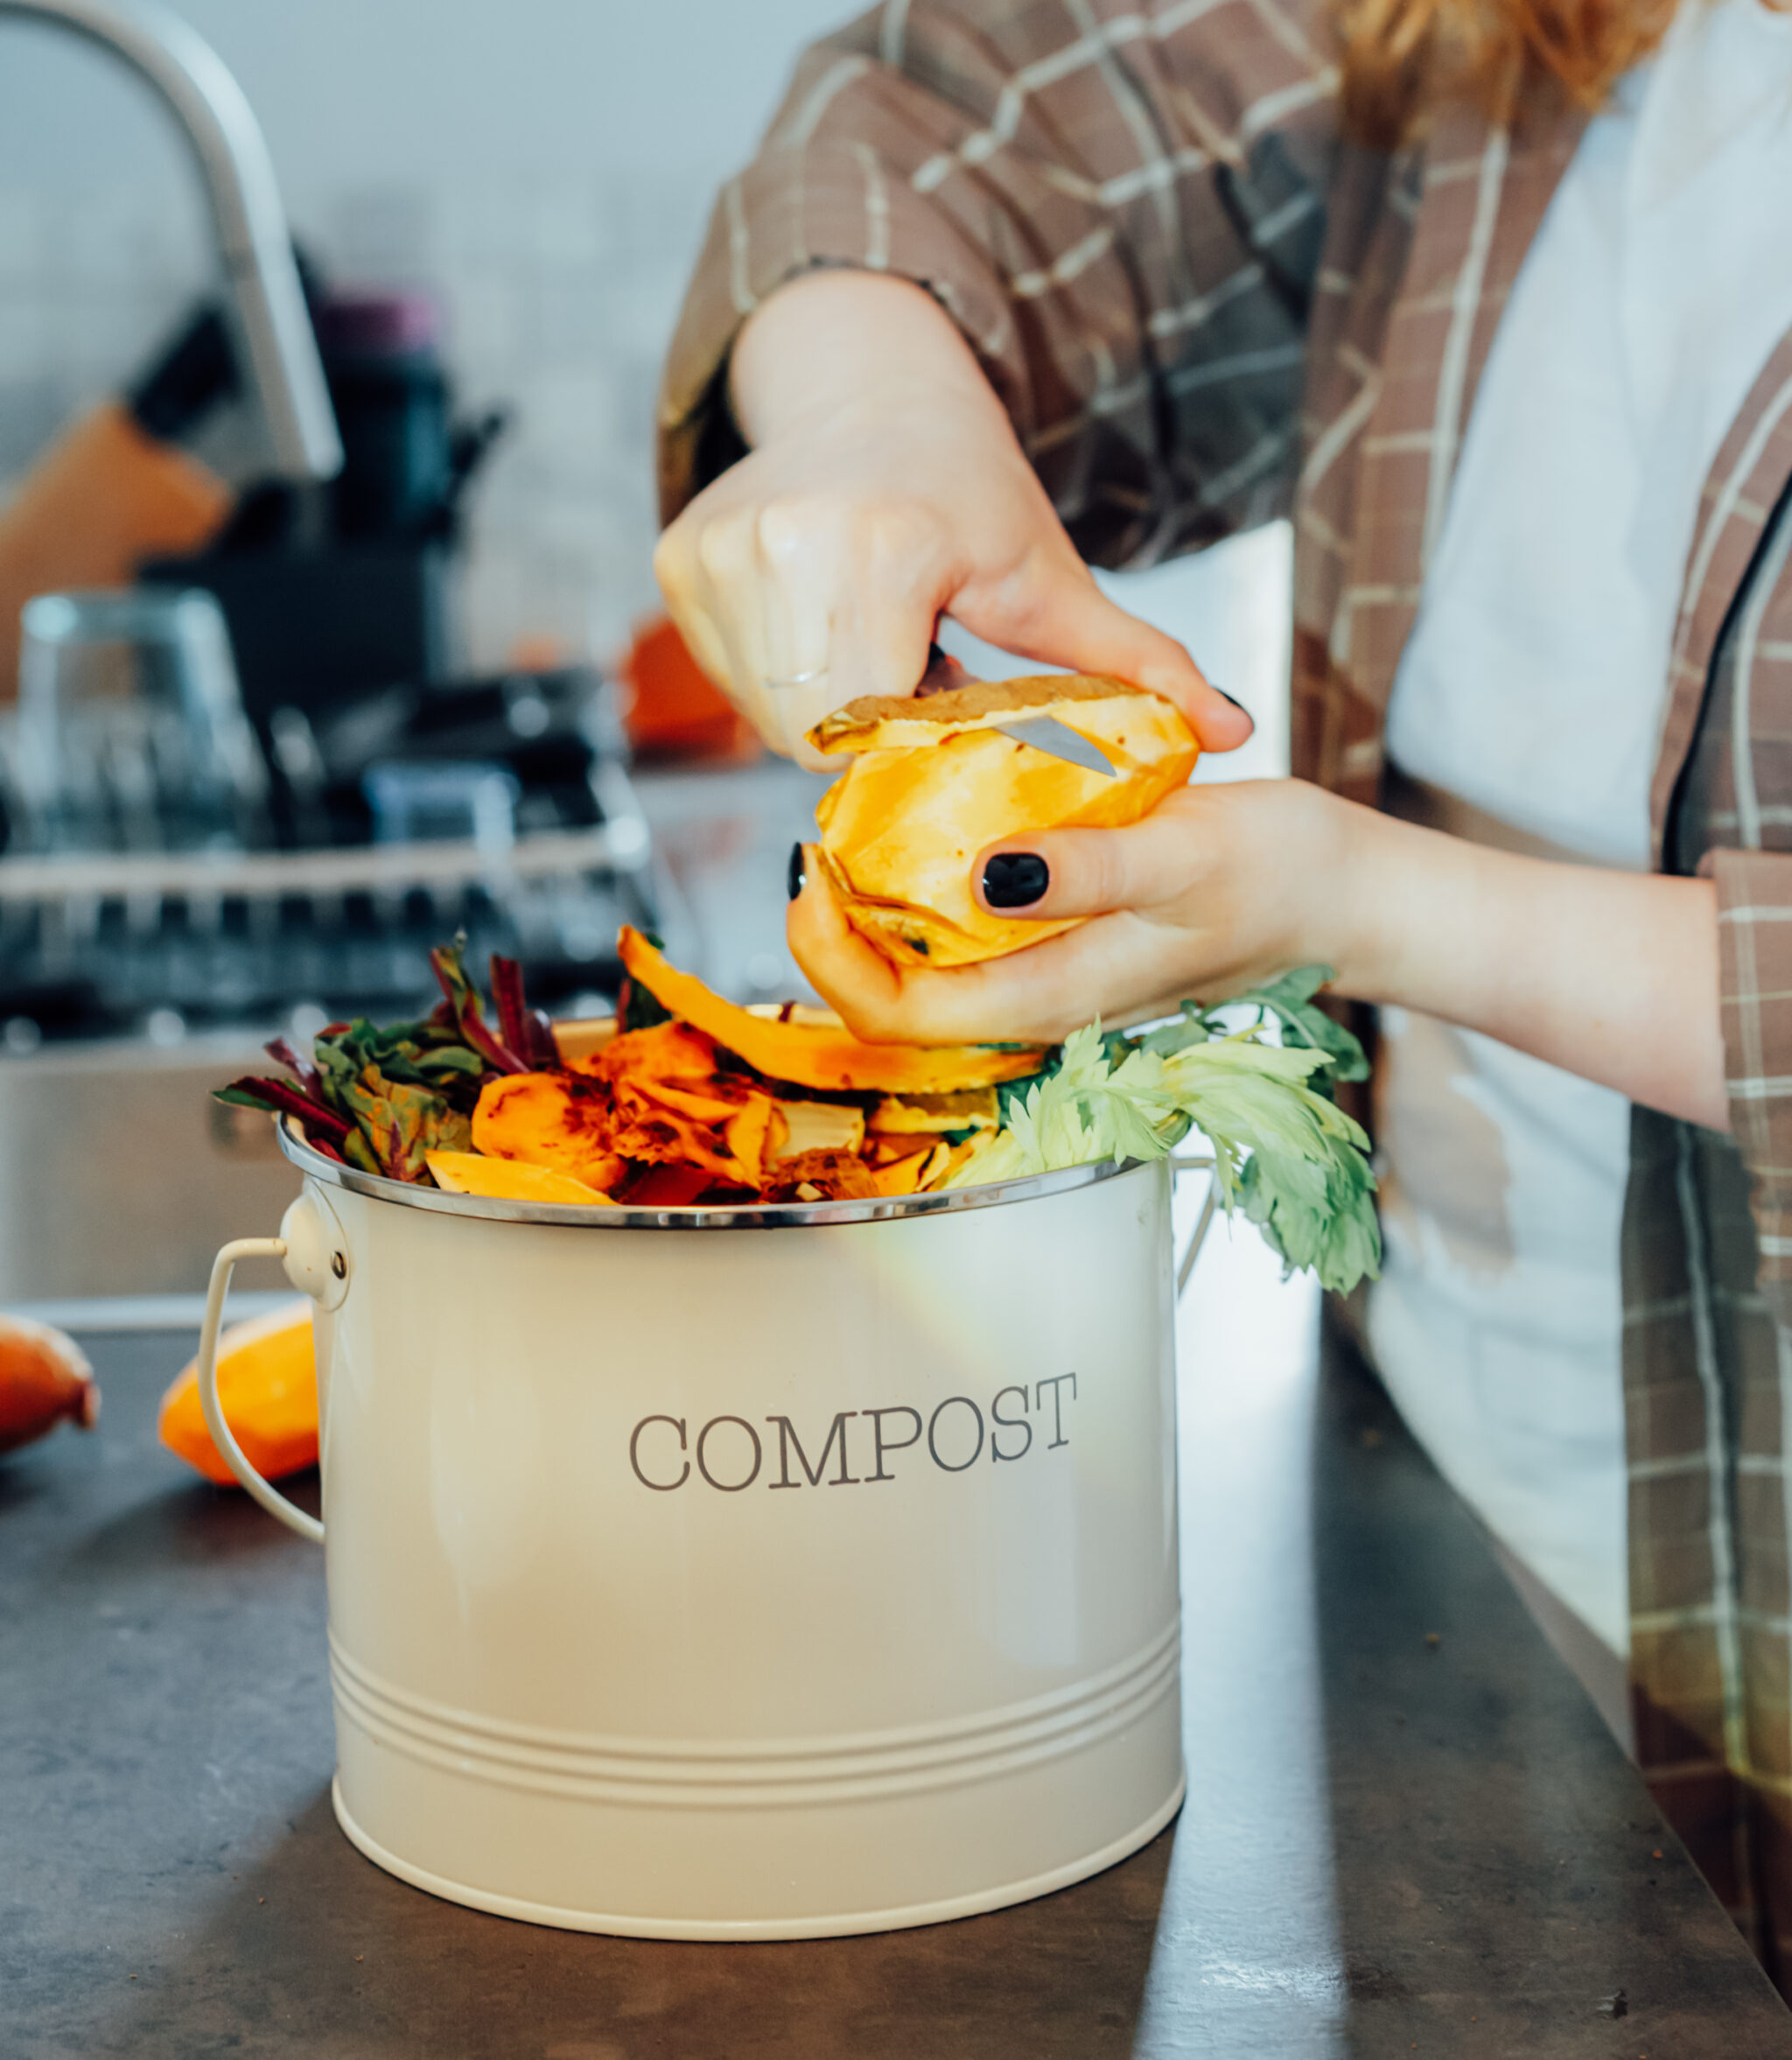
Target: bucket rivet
[339, 1265]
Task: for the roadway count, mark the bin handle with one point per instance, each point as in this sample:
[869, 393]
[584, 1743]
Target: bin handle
[1190, 1252]
[234, 1457]
[316, 1254]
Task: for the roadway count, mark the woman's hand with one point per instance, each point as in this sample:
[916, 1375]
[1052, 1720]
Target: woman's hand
[1613, 976]
[885, 488]
[1220, 888]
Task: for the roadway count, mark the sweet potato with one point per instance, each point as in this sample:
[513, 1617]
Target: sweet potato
[45, 1377]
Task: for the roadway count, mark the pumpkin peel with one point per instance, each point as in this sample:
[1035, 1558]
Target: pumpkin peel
[821, 1126]
[902, 1176]
[687, 1101]
[898, 1115]
[756, 1133]
[548, 1119]
[808, 1055]
[933, 780]
[508, 1180]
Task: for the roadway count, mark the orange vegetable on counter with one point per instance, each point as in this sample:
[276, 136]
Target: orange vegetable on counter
[267, 1384]
[671, 708]
[43, 1376]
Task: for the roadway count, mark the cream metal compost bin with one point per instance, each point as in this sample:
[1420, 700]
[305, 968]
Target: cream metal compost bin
[763, 1573]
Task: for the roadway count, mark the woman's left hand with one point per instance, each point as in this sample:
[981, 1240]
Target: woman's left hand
[1613, 975]
[1220, 887]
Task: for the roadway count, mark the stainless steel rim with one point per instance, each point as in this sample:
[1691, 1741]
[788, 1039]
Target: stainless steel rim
[772, 1215]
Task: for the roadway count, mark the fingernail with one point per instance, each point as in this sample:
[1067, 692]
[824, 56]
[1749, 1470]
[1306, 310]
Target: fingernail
[1233, 699]
[797, 878]
[1015, 879]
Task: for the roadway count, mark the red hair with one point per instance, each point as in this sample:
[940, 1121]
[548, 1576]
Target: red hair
[1402, 58]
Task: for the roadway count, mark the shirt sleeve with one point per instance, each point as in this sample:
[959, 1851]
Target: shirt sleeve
[1754, 933]
[1122, 210]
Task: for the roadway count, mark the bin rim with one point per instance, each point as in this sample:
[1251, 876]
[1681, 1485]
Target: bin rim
[758, 1215]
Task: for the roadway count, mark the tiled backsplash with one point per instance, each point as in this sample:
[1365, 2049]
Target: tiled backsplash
[85, 287]
[558, 301]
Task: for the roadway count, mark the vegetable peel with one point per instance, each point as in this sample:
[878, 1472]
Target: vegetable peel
[811, 1054]
[933, 780]
[691, 1100]
[509, 1180]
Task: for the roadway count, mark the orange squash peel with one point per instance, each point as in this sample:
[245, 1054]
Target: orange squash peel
[818, 1055]
[549, 1120]
[682, 1099]
[508, 1180]
[933, 780]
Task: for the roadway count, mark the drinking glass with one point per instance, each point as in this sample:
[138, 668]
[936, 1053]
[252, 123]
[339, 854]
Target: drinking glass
[131, 731]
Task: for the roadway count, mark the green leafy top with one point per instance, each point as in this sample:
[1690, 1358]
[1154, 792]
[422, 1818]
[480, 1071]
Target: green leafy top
[383, 1097]
[1283, 1152]
[420, 1054]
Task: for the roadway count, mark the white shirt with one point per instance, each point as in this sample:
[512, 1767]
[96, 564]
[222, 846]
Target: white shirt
[1532, 688]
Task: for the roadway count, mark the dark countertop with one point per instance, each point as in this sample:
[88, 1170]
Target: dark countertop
[1391, 1846]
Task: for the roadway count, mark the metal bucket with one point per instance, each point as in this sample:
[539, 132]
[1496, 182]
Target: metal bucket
[765, 1572]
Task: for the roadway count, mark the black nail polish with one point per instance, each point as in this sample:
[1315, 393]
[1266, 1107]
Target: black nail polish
[1015, 879]
[1233, 699]
[797, 878]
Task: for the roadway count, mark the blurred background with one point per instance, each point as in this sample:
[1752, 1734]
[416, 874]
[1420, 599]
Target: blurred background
[541, 170]
[346, 720]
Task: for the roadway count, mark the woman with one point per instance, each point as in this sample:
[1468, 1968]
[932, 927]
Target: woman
[1495, 298]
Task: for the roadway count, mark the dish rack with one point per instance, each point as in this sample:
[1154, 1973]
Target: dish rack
[109, 943]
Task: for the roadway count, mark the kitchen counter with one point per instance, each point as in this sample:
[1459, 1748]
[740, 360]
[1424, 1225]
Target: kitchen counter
[1407, 1830]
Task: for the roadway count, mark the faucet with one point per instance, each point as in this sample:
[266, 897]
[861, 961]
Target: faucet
[271, 320]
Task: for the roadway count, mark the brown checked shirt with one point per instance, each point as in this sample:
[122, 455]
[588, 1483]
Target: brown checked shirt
[1203, 308]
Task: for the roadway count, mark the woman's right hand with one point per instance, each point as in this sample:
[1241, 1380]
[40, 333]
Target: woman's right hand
[885, 488]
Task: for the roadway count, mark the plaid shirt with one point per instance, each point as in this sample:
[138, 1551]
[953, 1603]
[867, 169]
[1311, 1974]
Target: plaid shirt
[1203, 308]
